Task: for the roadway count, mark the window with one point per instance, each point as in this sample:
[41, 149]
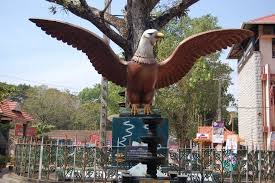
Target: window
[269, 29]
[273, 47]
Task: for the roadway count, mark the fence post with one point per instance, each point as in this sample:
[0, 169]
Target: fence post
[35, 152]
[84, 162]
[260, 165]
[94, 163]
[222, 158]
[246, 173]
[65, 159]
[30, 152]
[41, 158]
[22, 154]
[179, 160]
[231, 166]
[212, 156]
[56, 159]
[74, 162]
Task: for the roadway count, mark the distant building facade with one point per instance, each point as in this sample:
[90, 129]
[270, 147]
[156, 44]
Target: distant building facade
[79, 137]
[256, 81]
[10, 115]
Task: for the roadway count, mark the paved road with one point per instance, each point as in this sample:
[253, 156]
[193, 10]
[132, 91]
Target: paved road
[3, 176]
[7, 176]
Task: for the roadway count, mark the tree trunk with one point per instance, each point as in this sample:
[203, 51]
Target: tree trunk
[138, 21]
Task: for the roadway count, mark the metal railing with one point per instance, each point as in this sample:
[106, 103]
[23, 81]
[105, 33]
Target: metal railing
[62, 161]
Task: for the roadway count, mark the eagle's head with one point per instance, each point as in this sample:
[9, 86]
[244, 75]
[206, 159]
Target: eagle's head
[147, 42]
[152, 35]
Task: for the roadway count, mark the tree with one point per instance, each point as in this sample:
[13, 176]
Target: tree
[87, 116]
[20, 92]
[6, 90]
[52, 107]
[193, 100]
[88, 95]
[43, 128]
[138, 16]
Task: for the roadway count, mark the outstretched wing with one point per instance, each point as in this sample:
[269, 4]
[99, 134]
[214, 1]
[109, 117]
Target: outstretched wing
[189, 50]
[105, 61]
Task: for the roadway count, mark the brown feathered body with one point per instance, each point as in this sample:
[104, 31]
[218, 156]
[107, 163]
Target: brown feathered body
[141, 83]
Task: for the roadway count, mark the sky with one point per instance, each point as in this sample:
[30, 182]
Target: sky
[30, 56]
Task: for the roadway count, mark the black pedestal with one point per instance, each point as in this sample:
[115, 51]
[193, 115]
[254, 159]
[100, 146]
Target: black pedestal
[152, 159]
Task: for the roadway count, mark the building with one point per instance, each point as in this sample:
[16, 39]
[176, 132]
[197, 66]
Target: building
[10, 115]
[256, 81]
[79, 137]
[205, 133]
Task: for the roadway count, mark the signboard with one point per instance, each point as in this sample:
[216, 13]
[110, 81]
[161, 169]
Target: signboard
[128, 130]
[202, 136]
[218, 132]
[133, 153]
[30, 131]
[232, 143]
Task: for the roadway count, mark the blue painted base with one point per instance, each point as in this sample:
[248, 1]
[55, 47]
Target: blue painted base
[129, 129]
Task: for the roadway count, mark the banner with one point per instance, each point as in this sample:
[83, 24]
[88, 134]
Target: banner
[218, 132]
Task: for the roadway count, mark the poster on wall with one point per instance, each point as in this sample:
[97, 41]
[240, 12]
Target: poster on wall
[232, 143]
[218, 132]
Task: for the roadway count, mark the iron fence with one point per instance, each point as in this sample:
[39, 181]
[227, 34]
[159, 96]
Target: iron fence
[63, 161]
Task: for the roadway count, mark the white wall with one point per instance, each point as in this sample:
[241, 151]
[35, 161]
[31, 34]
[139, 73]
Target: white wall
[266, 51]
[249, 101]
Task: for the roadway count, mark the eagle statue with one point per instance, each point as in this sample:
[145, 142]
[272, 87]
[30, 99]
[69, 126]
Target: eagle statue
[142, 74]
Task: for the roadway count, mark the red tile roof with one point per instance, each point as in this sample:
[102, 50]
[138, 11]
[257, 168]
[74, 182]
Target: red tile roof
[10, 109]
[270, 19]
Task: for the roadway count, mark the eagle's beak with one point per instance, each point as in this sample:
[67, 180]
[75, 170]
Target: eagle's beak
[159, 35]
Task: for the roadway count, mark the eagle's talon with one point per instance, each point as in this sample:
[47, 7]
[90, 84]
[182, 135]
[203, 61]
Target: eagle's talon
[147, 109]
[134, 109]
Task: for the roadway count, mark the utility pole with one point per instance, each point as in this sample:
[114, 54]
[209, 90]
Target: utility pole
[219, 110]
[220, 101]
[104, 91]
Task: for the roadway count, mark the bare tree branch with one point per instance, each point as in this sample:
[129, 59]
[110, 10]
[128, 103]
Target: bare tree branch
[106, 7]
[101, 13]
[174, 11]
[152, 4]
[92, 14]
[84, 3]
